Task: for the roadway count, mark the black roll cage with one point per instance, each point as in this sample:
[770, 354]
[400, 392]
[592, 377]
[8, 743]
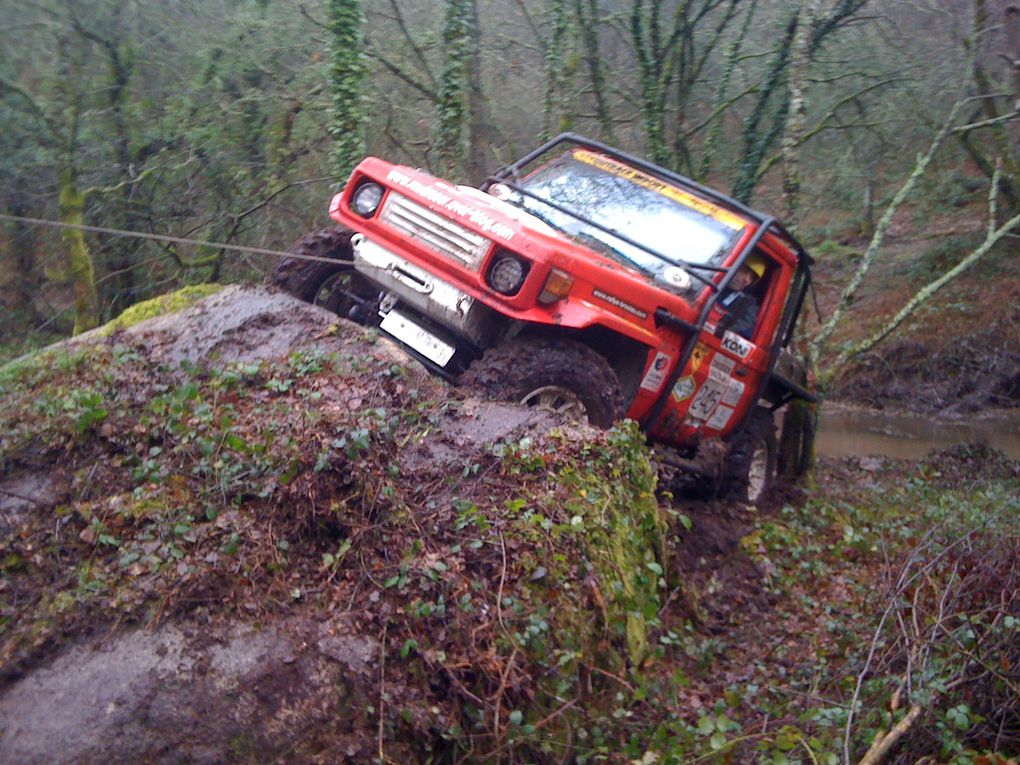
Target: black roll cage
[513, 171]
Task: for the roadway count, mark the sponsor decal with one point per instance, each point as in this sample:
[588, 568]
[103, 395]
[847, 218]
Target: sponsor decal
[721, 418]
[699, 354]
[617, 303]
[683, 389]
[737, 345]
[656, 372]
[734, 393]
[697, 204]
[437, 196]
[722, 367]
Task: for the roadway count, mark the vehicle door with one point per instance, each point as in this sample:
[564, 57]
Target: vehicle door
[725, 371]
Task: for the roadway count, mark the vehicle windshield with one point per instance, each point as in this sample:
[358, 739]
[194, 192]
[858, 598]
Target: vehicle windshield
[668, 228]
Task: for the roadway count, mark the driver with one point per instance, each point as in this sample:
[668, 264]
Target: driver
[742, 284]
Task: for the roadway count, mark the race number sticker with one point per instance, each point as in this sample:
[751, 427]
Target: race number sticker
[721, 417]
[683, 389]
[709, 396]
[737, 345]
[656, 373]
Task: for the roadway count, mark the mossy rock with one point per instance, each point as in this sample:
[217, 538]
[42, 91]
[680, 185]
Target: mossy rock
[160, 306]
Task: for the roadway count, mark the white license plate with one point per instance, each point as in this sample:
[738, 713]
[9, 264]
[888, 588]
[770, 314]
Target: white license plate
[423, 341]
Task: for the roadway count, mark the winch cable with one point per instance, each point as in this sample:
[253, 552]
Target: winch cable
[171, 239]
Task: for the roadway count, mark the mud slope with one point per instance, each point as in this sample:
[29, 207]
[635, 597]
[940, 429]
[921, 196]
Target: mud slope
[248, 532]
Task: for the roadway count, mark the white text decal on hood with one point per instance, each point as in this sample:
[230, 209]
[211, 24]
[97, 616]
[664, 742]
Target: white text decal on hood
[455, 206]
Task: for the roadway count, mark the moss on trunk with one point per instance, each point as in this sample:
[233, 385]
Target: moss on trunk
[79, 260]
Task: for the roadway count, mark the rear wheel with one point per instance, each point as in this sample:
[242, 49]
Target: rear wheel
[750, 470]
[562, 376]
[336, 287]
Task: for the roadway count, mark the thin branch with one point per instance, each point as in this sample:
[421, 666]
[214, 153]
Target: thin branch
[850, 292]
[418, 52]
[33, 106]
[992, 237]
[430, 94]
[1012, 116]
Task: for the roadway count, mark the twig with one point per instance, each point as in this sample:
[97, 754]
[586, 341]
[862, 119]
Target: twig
[382, 692]
[499, 592]
[498, 696]
[884, 742]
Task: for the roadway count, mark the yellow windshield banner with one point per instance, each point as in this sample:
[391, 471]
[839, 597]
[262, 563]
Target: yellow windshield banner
[697, 204]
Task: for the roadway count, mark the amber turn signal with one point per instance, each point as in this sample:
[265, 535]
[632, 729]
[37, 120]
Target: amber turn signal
[557, 286]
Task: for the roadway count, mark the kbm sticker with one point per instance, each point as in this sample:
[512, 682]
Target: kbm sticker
[684, 388]
[736, 345]
[656, 373]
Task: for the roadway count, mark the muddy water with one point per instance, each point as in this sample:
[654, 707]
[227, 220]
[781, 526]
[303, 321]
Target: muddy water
[848, 432]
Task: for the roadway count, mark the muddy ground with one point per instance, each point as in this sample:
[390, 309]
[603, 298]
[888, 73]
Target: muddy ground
[325, 555]
[291, 665]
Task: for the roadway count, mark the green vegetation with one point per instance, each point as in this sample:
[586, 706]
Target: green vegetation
[539, 596]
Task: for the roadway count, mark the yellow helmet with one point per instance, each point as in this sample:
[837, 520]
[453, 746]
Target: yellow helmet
[756, 263]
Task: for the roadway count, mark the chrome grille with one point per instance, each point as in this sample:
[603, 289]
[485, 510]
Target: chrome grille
[439, 234]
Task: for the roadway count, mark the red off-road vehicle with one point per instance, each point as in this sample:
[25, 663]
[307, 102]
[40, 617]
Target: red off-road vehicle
[579, 278]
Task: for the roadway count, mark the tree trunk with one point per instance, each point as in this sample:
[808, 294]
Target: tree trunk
[554, 116]
[23, 283]
[588, 18]
[79, 261]
[453, 86]
[1013, 48]
[346, 79]
[480, 128]
[797, 117]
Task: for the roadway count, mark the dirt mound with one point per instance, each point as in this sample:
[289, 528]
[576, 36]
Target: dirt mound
[968, 464]
[978, 372]
[270, 537]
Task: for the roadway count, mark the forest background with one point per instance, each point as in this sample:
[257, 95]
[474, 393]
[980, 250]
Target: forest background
[234, 121]
[836, 626]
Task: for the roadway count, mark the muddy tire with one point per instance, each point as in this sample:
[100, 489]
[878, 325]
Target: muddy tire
[561, 375]
[334, 286]
[750, 469]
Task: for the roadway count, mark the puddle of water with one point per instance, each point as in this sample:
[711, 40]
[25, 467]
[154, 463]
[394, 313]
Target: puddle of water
[849, 432]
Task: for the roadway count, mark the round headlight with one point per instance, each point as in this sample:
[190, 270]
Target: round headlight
[507, 274]
[366, 198]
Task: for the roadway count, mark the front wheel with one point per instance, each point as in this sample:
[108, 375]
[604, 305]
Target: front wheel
[562, 376]
[750, 469]
[335, 286]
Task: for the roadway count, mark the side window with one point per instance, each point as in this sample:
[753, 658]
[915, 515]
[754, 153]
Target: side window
[768, 293]
[748, 293]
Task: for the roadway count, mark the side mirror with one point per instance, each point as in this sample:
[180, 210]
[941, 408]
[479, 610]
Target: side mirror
[739, 307]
